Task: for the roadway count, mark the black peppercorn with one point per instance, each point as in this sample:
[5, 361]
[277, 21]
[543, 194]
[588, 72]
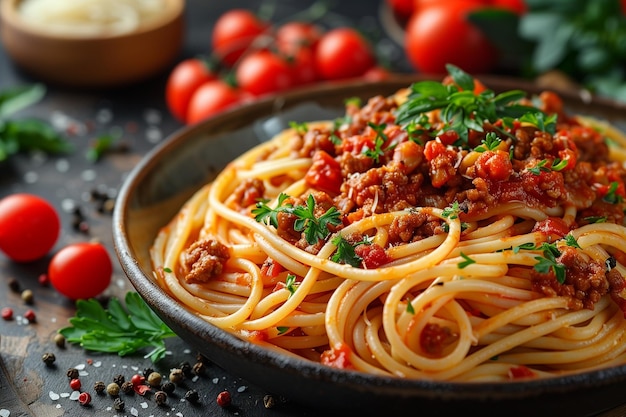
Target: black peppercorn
[48, 358]
[14, 285]
[127, 387]
[185, 367]
[168, 387]
[269, 401]
[147, 371]
[160, 397]
[72, 373]
[118, 404]
[198, 368]
[119, 379]
[192, 396]
[99, 387]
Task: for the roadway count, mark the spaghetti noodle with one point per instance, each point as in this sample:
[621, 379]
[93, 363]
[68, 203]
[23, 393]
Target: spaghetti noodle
[407, 239]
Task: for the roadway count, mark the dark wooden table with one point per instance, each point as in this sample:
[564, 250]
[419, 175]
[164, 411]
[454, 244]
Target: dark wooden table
[27, 386]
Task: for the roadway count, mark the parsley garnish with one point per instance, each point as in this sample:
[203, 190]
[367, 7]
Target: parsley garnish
[548, 262]
[461, 109]
[409, 307]
[525, 246]
[451, 212]
[300, 128]
[596, 219]
[290, 284]
[611, 195]
[542, 166]
[263, 213]
[490, 143]
[571, 241]
[168, 270]
[314, 228]
[282, 329]
[25, 135]
[467, 262]
[345, 251]
[540, 120]
[116, 329]
[379, 141]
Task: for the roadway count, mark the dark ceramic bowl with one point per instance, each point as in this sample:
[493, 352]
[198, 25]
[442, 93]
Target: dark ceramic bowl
[158, 186]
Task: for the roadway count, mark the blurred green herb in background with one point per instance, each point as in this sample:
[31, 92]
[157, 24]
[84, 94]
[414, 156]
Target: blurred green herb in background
[26, 134]
[583, 39]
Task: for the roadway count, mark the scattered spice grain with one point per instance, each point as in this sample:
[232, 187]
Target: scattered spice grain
[59, 340]
[224, 399]
[176, 375]
[160, 397]
[72, 373]
[113, 389]
[119, 404]
[48, 358]
[84, 398]
[27, 296]
[128, 387]
[99, 387]
[7, 313]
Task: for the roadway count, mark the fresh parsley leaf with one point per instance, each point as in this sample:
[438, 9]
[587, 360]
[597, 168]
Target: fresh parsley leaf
[345, 252]
[467, 262]
[451, 212]
[290, 284]
[117, 329]
[549, 263]
[541, 121]
[409, 307]
[490, 143]
[282, 329]
[315, 229]
[264, 214]
[596, 219]
[300, 128]
[571, 241]
[379, 141]
[611, 195]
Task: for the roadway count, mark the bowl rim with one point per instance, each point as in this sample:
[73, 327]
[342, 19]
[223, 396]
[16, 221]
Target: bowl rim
[162, 302]
[10, 15]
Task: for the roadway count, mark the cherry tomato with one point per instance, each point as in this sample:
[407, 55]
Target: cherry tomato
[29, 227]
[302, 64]
[343, 53]
[516, 6]
[295, 35]
[212, 98]
[440, 34]
[81, 270]
[262, 72]
[402, 9]
[376, 73]
[234, 32]
[183, 81]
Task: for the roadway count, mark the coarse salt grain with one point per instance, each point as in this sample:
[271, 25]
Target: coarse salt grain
[134, 411]
[64, 394]
[74, 396]
[97, 364]
[242, 388]
[53, 395]
[4, 412]
[144, 405]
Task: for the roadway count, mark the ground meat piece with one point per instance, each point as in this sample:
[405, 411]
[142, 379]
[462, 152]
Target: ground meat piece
[413, 227]
[617, 287]
[585, 280]
[204, 260]
[248, 192]
[316, 139]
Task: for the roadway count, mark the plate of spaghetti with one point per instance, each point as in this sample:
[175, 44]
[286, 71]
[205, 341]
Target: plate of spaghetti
[447, 245]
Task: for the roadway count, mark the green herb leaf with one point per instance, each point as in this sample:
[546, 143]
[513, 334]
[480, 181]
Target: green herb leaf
[263, 213]
[315, 229]
[117, 329]
[345, 252]
[467, 262]
[290, 284]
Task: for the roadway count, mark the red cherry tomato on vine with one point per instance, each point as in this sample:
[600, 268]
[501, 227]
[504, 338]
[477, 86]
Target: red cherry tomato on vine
[402, 9]
[81, 270]
[183, 81]
[515, 6]
[29, 227]
[212, 98]
[234, 32]
[262, 72]
[293, 36]
[343, 53]
[440, 34]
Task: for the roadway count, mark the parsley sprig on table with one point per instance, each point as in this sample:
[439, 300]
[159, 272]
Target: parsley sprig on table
[314, 228]
[28, 134]
[461, 109]
[117, 329]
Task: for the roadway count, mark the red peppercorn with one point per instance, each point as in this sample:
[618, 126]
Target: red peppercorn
[84, 398]
[223, 399]
[30, 316]
[7, 313]
[44, 280]
[138, 379]
[75, 384]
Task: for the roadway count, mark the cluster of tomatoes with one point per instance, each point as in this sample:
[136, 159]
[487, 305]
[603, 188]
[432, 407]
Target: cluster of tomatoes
[30, 227]
[439, 33]
[252, 57]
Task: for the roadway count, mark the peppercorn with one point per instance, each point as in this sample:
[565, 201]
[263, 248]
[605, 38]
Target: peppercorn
[185, 367]
[147, 371]
[160, 397]
[223, 399]
[128, 387]
[168, 387]
[75, 384]
[154, 379]
[113, 389]
[30, 316]
[176, 375]
[119, 404]
[14, 285]
[7, 313]
[269, 401]
[84, 398]
[138, 379]
[48, 358]
[198, 368]
[72, 373]
[99, 387]
[119, 379]
[27, 296]
[192, 396]
[59, 340]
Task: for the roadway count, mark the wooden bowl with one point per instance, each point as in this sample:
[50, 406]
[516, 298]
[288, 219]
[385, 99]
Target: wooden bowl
[92, 60]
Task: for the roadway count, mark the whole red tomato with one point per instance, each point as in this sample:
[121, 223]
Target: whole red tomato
[183, 81]
[343, 53]
[440, 34]
[263, 72]
[212, 98]
[292, 36]
[402, 9]
[29, 227]
[81, 270]
[234, 32]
